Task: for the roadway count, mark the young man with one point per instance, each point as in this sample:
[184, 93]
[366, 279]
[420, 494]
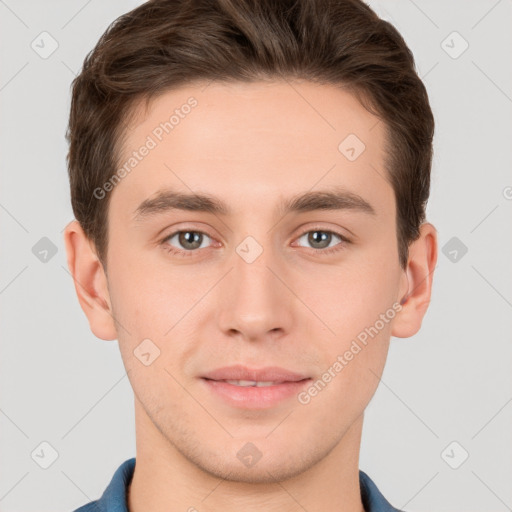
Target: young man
[249, 182]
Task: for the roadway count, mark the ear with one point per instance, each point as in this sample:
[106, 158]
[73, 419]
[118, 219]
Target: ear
[90, 281]
[416, 285]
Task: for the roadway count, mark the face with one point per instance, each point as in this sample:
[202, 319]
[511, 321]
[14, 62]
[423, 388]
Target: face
[253, 274]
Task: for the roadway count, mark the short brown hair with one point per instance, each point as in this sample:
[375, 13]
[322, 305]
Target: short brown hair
[165, 44]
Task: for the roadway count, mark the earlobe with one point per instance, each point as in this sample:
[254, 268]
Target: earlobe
[90, 281]
[418, 279]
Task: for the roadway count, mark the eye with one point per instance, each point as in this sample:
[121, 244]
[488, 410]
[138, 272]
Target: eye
[188, 241]
[320, 240]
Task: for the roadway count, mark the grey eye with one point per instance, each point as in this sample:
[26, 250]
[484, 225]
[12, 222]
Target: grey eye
[320, 239]
[188, 240]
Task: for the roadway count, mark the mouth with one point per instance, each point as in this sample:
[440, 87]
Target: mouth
[240, 375]
[252, 383]
[255, 393]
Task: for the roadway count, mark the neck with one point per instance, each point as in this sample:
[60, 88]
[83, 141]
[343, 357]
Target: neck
[165, 480]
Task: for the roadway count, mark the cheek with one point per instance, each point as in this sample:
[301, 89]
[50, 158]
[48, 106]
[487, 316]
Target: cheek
[358, 307]
[145, 293]
[349, 297]
[151, 302]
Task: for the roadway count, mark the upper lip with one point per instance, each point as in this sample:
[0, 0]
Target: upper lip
[267, 374]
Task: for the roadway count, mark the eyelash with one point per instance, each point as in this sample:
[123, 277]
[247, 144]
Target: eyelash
[183, 253]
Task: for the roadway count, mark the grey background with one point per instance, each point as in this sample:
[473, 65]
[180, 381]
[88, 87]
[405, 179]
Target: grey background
[450, 382]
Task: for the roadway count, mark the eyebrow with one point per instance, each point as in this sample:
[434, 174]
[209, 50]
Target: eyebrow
[333, 199]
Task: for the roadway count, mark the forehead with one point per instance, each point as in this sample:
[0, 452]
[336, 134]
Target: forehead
[253, 140]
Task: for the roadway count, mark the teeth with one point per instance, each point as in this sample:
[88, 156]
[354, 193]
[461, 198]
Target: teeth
[248, 383]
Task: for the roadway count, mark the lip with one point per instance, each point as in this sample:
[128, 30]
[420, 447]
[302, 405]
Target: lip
[288, 384]
[268, 374]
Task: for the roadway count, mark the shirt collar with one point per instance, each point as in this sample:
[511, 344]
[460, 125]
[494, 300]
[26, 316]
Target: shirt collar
[114, 497]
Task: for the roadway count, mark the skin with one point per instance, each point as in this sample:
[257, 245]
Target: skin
[251, 145]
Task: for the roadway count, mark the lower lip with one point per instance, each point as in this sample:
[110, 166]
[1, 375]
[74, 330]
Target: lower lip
[253, 397]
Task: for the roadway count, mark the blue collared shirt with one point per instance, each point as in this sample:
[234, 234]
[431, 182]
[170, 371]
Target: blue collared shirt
[114, 497]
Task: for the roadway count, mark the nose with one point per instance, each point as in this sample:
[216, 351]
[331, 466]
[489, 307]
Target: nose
[254, 300]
